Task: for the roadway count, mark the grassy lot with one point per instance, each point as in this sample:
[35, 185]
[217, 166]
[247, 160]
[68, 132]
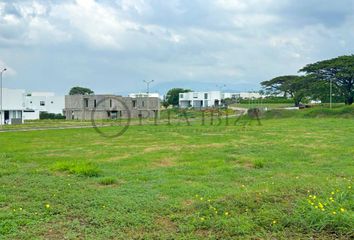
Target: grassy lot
[288, 178]
[258, 104]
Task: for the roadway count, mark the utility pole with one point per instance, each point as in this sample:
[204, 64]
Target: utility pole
[330, 94]
[148, 91]
[1, 115]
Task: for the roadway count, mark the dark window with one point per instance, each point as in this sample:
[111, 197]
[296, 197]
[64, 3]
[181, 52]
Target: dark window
[42, 103]
[51, 102]
[110, 102]
[142, 103]
[95, 103]
[205, 96]
[134, 103]
[86, 102]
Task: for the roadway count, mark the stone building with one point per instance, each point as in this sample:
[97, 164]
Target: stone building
[87, 107]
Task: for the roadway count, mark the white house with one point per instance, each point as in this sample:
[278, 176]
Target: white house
[200, 99]
[137, 95]
[37, 102]
[12, 106]
[211, 99]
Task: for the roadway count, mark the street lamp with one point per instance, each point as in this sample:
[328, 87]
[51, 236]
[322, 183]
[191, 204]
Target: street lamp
[1, 72]
[147, 91]
[148, 86]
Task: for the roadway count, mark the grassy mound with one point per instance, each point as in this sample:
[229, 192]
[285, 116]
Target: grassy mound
[316, 112]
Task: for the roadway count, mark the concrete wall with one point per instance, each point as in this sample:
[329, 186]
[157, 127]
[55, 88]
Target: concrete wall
[87, 107]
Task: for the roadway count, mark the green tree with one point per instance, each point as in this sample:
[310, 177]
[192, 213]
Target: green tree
[172, 96]
[340, 71]
[80, 91]
[291, 85]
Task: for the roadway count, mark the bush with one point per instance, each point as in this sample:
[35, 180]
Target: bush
[107, 181]
[86, 169]
[46, 115]
[258, 164]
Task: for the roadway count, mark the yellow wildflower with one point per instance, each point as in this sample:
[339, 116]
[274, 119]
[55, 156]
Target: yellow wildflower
[342, 209]
[47, 205]
[226, 213]
[334, 213]
[274, 221]
[202, 219]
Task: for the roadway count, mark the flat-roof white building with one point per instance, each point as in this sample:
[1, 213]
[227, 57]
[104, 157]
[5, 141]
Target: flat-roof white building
[137, 95]
[18, 105]
[37, 102]
[200, 99]
[12, 106]
[211, 98]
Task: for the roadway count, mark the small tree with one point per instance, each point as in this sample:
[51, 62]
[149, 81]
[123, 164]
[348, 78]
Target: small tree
[172, 96]
[80, 91]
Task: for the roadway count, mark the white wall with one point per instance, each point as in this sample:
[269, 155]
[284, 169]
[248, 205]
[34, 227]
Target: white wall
[13, 99]
[135, 95]
[195, 99]
[52, 103]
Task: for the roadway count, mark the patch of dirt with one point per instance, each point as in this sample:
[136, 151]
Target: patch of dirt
[165, 162]
[159, 147]
[187, 202]
[116, 158]
[166, 224]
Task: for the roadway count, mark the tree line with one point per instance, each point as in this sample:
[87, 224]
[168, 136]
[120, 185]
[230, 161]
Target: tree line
[316, 80]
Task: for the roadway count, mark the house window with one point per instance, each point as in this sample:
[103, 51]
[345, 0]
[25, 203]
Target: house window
[205, 96]
[42, 103]
[182, 95]
[51, 102]
[110, 102]
[95, 103]
[195, 95]
[143, 103]
[86, 102]
[134, 103]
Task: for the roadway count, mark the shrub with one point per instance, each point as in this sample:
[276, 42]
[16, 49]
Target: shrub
[258, 164]
[107, 181]
[46, 115]
[86, 169]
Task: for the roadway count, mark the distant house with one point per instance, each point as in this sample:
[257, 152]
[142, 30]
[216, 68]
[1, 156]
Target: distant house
[12, 106]
[136, 95]
[211, 98]
[88, 107]
[37, 102]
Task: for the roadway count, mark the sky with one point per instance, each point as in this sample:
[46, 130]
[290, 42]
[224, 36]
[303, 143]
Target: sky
[111, 46]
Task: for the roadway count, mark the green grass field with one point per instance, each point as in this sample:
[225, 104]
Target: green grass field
[289, 178]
